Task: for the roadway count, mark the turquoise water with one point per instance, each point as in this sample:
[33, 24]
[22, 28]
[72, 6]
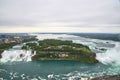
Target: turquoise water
[12, 67]
[54, 70]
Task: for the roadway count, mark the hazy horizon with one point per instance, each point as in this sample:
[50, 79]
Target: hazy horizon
[59, 16]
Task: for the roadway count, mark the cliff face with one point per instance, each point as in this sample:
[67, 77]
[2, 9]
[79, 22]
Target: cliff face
[51, 49]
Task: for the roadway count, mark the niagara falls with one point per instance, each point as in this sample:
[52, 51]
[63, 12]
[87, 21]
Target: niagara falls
[59, 39]
[17, 63]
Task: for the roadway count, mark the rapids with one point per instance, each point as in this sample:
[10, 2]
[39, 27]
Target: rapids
[110, 55]
[16, 55]
[18, 64]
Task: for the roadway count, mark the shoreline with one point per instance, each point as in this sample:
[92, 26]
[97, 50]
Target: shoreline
[107, 77]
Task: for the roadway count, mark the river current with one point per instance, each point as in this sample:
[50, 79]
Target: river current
[13, 67]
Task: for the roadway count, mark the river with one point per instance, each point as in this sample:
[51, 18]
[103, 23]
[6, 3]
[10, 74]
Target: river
[12, 67]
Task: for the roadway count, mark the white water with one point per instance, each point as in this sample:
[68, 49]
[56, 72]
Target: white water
[16, 55]
[53, 36]
[111, 56]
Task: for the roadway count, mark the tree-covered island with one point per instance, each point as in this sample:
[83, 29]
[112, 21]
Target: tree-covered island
[51, 49]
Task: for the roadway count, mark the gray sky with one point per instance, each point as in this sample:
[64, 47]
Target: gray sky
[60, 16]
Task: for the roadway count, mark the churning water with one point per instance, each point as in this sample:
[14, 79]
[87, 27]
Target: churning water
[111, 56]
[13, 65]
[16, 55]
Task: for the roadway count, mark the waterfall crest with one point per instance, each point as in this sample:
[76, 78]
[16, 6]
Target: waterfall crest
[111, 56]
[16, 55]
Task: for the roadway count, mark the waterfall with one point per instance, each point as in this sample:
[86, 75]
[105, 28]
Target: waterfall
[16, 55]
[111, 56]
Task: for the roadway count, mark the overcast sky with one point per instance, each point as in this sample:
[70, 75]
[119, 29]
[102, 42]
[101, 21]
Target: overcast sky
[60, 16]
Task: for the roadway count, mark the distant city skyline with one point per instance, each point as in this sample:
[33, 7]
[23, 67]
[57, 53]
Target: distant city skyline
[94, 16]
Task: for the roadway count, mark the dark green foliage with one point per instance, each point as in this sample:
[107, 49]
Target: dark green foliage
[51, 49]
[1, 53]
[31, 44]
[7, 45]
[54, 42]
[24, 47]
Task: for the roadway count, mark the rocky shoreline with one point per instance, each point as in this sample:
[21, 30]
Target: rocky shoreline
[108, 77]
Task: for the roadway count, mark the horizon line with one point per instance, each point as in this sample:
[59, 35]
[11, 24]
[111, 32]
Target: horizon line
[63, 32]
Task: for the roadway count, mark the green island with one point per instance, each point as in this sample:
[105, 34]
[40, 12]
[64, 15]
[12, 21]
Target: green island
[52, 49]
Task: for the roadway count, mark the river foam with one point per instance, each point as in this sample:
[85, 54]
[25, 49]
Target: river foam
[16, 55]
[53, 36]
[111, 56]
